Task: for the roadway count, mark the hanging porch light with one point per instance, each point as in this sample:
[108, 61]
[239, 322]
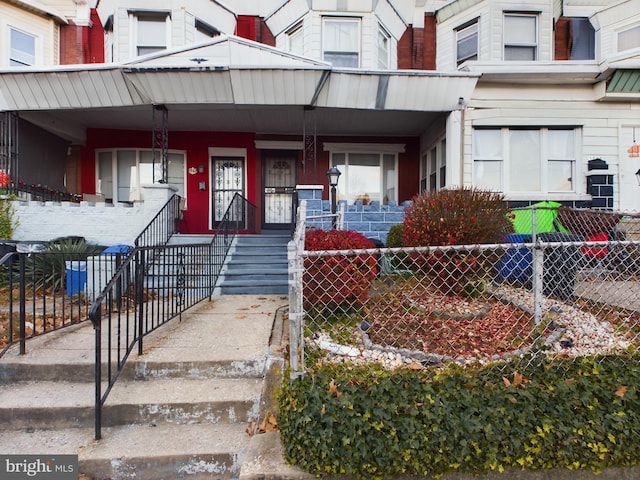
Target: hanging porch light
[634, 149]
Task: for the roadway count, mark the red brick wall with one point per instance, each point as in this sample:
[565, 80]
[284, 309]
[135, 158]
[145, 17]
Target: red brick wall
[562, 37]
[73, 41]
[405, 49]
[254, 28]
[429, 58]
[417, 46]
[95, 54]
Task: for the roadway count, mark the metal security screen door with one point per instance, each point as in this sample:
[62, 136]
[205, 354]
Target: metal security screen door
[279, 180]
[228, 179]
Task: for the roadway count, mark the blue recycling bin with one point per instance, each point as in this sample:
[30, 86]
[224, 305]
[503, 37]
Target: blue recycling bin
[76, 276]
[515, 265]
[117, 249]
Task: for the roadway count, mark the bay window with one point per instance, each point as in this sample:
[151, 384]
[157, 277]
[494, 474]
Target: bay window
[122, 172]
[366, 177]
[525, 160]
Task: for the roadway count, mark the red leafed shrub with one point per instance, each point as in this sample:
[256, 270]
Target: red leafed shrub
[338, 279]
[465, 216]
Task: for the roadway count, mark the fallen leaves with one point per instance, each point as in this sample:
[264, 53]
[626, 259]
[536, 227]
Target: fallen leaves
[268, 424]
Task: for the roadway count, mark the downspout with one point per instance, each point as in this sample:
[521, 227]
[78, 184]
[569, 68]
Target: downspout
[462, 103]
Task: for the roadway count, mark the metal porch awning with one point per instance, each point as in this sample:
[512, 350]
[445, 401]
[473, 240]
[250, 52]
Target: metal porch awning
[230, 84]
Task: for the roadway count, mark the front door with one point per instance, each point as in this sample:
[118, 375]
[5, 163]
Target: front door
[228, 179]
[278, 187]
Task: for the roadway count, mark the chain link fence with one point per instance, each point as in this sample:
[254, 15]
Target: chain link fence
[566, 284]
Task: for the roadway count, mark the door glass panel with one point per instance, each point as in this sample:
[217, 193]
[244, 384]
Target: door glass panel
[228, 179]
[279, 185]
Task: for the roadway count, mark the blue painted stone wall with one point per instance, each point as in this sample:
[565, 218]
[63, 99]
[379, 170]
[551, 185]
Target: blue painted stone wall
[373, 220]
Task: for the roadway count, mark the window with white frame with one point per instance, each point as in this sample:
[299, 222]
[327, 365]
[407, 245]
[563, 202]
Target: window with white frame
[433, 168]
[341, 41]
[151, 32]
[295, 40]
[520, 36]
[122, 172]
[525, 160]
[22, 48]
[629, 39]
[384, 41]
[467, 42]
[366, 177]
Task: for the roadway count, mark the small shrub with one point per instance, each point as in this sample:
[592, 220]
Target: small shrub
[7, 220]
[394, 236]
[47, 269]
[465, 216]
[338, 280]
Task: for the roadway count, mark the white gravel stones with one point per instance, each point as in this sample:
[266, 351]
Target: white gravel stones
[570, 332]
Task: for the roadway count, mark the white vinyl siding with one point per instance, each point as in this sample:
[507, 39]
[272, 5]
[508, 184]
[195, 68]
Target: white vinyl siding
[45, 32]
[490, 17]
[367, 52]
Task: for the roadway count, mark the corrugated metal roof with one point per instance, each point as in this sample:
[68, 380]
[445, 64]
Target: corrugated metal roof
[406, 91]
[624, 81]
[53, 90]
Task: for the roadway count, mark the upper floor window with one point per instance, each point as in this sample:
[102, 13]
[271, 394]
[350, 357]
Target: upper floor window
[629, 39]
[467, 42]
[151, 32]
[525, 160]
[583, 39]
[341, 41]
[384, 40]
[520, 36]
[22, 49]
[295, 40]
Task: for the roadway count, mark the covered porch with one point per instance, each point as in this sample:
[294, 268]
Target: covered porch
[229, 116]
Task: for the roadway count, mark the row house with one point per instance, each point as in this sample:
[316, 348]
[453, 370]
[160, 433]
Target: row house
[538, 100]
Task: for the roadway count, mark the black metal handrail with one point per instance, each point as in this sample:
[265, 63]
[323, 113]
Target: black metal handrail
[152, 286]
[162, 226]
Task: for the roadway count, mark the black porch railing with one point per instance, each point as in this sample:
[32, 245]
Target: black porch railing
[153, 285]
[43, 289]
[163, 225]
[42, 193]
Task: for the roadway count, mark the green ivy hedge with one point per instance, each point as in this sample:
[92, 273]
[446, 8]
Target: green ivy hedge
[576, 414]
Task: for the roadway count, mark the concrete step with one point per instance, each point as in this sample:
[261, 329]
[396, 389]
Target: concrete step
[180, 410]
[142, 451]
[217, 400]
[198, 451]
